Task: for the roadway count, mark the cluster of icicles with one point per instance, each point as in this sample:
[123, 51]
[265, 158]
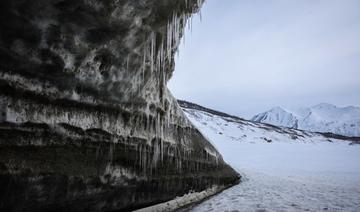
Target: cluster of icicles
[159, 51]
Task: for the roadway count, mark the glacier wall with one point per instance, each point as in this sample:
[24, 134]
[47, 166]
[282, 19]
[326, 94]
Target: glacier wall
[87, 122]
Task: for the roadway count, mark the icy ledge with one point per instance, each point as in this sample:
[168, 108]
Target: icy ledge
[183, 201]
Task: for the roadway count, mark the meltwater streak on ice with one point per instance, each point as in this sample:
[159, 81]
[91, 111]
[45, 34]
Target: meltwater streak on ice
[281, 172]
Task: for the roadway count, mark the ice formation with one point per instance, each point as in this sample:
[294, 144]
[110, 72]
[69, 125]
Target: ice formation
[85, 107]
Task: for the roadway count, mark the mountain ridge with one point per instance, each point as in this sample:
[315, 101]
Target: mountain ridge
[323, 117]
[189, 108]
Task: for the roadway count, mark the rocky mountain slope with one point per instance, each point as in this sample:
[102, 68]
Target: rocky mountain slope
[87, 122]
[319, 118]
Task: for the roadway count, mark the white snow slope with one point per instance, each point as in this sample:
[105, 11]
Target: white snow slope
[320, 118]
[283, 169]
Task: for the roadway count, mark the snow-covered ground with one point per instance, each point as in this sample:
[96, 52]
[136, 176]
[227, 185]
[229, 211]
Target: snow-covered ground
[282, 169]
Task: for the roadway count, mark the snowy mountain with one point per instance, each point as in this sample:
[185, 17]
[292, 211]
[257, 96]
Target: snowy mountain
[279, 116]
[283, 169]
[319, 118]
[235, 128]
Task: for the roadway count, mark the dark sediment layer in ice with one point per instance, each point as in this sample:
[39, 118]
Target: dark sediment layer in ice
[86, 121]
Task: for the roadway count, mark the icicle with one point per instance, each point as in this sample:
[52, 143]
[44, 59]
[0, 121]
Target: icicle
[175, 30]
[162, 150]
[184, 17]
[184, 38]
[144, 64]
[158, 62]
[191, 24]
[162, 54]
[200, 16]
[169, 40]
[127, 63]
[152, 50]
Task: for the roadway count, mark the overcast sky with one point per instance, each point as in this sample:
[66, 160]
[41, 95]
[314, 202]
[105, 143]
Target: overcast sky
[247, 56]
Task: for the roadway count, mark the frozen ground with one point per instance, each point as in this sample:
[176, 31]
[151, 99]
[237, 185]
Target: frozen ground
[282, 169]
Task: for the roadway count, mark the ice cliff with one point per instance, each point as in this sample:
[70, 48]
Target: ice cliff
[87, 122]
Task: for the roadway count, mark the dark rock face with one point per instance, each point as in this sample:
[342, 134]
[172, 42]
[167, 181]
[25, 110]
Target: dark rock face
[86, 122]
